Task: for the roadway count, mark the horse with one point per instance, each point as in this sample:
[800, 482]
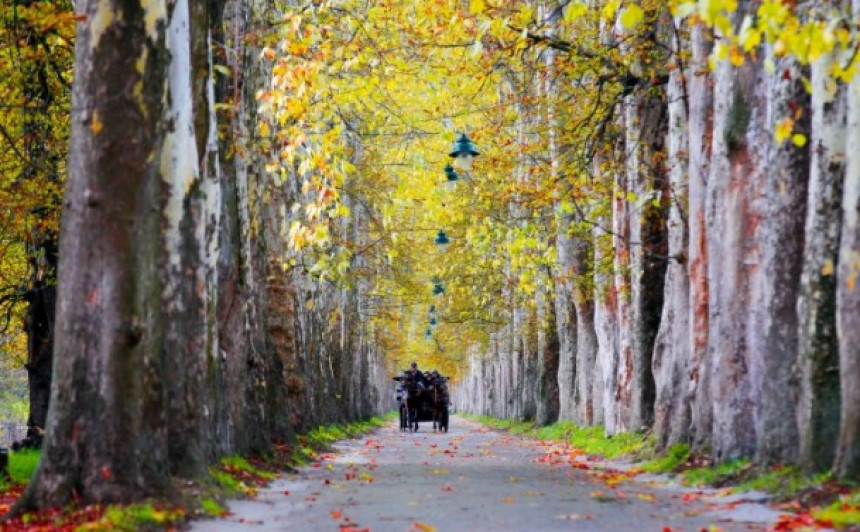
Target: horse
[440, 403]
[412, 402]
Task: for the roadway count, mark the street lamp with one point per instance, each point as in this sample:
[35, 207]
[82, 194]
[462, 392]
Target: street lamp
[451, 178]
[438, 289]
[463, 153]
[442, 240]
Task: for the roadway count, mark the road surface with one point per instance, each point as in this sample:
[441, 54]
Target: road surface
[475, 479]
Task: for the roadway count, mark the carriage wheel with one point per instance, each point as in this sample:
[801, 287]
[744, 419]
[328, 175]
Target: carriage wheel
[402, 417]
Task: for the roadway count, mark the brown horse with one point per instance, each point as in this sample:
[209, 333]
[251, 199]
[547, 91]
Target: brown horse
[440, 403]
[412, 402]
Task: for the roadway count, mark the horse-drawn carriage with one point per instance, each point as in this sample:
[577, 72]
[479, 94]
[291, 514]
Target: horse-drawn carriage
[427, 401]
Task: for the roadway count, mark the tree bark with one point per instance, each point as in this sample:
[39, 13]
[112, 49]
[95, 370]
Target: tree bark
[847, 464]
[734, 183]
[775, 287]
[671, 345]
[818, 348]
[698, 393]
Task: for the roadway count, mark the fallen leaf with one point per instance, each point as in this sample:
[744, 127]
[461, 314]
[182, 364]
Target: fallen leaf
[422, 527]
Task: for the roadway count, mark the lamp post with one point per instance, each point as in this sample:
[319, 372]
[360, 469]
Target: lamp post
[442, 240]
[438, 288]
[451, 178]
[463, 153]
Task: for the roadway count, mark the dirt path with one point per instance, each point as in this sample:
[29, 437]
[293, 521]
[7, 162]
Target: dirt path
[475, 479]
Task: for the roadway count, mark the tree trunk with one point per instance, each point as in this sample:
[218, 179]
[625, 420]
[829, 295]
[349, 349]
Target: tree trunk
[698, 393]
[644, 126]
[818, 348]
[39, 325]
[775, 287]
[108, 390]
[734, 183]
[670, 359]
[547, 399]
[847, 464]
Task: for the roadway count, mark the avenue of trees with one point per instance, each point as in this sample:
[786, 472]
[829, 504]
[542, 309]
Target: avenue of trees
[660, 231]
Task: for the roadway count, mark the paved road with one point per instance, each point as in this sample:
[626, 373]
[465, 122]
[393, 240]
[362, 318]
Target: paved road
[475, 479]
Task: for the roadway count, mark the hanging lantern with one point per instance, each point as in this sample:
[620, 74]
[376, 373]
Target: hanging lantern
[432, 311]
[428, 335]
[433, 321]
[442, 240]
[451, 178]
[463, 153]
[438, 289]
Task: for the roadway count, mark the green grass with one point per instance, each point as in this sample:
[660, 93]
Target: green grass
[212, 508]
[716, 474]
[137, 516]
[229, 484]
[842, 513]
[591, 440]
[670, 461]
[785, 482]
[22, 465]
[238, 463]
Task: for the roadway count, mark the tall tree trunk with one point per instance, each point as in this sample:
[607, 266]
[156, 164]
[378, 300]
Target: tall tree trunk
[108, 390]
[734, 183]
[776, 284]
[847, 464]
[670, 359]
[644, 125]
[547, 352]
[818, 347]
[701, 130]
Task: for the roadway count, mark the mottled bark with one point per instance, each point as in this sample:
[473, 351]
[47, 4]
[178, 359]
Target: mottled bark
[645, 130]
[700, 141]
[818, 348]
[847, 464]
[734, 184]
[108, 393]
[775, 287]
[670, 359]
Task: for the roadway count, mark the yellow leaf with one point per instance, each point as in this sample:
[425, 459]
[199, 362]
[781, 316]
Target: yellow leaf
[476, 7]
[827, 268]
[422, 527]
[574, 11]
[97, 125]
[799, 140]
[632, 16]
[783, 130]
[735, 56]
[610, 9]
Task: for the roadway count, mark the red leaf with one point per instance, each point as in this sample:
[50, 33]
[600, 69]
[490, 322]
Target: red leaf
[106, 473]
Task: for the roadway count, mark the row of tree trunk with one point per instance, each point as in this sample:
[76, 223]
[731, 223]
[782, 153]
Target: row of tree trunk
[179, 338]
[729, 317]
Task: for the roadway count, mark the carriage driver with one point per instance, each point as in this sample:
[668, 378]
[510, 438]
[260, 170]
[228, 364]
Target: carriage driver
[416, 376]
